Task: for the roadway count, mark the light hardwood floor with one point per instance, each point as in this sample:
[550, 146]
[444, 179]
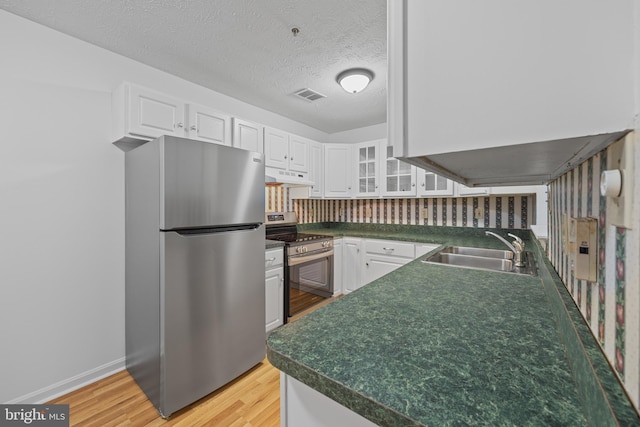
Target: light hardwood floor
[252, 400]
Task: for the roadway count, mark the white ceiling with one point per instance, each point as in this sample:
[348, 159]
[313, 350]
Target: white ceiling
[243, 48]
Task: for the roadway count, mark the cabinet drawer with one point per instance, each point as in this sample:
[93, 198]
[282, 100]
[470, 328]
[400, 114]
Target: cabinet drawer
[273, 257]
[391, 248]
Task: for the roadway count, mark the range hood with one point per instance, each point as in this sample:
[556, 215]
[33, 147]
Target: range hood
[273, 175]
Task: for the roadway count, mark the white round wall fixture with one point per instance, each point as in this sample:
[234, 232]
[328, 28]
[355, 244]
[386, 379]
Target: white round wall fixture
[611, 183]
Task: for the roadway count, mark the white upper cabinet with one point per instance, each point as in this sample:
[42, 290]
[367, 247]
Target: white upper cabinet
[494, 92]
[206, 124]
[398, 177]
[367, 162]
[337, 170]
[430, 184]
[141, 113]
[298, 154]
[248, 135]
[316, 169]
[276, 148]
[285, 151]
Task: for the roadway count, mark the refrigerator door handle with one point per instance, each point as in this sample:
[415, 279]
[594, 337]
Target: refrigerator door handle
[220, 229]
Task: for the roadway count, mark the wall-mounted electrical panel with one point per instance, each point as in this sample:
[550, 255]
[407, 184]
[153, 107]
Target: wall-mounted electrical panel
[583, 237]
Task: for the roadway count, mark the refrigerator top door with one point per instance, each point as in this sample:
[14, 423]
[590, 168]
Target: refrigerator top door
[204, 184]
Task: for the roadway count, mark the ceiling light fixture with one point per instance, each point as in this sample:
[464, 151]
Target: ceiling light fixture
[354, 80]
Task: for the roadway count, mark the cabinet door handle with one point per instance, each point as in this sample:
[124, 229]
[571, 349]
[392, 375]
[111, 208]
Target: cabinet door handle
[271, 259]
[285, 156]
[388, 249]
[193, 127]
[180, 125]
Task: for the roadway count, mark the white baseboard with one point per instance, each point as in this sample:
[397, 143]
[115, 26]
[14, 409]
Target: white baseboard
[70, 384]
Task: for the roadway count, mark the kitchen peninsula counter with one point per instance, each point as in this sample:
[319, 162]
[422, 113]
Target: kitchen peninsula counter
[438, 345]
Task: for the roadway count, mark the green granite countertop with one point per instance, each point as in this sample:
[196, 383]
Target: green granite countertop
[271, 244]
[435, 345]
[415, 233]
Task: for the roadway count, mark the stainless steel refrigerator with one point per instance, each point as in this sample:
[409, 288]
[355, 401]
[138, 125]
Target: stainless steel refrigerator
[195, 305]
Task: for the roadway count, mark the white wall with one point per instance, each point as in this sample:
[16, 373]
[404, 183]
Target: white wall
[62, 206]
[364, 134]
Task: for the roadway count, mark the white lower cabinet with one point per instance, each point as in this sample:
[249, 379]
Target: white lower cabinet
[274, 288]
[337, 266]
[352, 263]
[300, 405]
[361, 261]
[377, 266]
[384, 256]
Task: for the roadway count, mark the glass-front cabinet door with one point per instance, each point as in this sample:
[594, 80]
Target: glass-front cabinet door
[430, 184]
[367, 169]
[399, 177]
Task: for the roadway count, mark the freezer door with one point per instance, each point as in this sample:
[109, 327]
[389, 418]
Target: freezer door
[204, 184]
[212, 312]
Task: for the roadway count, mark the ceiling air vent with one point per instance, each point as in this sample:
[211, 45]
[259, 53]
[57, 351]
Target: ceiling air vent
[309, 95]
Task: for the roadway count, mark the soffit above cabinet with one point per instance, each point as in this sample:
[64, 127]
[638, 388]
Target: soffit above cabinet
[522, 164]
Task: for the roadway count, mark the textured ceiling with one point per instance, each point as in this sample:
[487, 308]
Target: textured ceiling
[243, 48]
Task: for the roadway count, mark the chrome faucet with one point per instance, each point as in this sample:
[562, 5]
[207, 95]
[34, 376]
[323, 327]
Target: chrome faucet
[517, 247]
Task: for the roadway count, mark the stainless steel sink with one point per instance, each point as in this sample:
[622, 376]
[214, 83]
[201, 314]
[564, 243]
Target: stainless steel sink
[493, 260]
[480, 252]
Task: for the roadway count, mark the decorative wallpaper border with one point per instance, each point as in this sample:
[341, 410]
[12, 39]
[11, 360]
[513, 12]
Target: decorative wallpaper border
[603, 303]
[440, 211]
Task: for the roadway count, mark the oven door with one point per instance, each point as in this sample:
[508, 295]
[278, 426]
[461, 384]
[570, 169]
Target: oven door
[309, 280]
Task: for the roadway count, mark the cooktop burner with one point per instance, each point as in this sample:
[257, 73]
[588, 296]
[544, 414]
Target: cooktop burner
[295, 237]
[282, 226]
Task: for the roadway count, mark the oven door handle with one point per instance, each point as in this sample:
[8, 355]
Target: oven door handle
[311, 257]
